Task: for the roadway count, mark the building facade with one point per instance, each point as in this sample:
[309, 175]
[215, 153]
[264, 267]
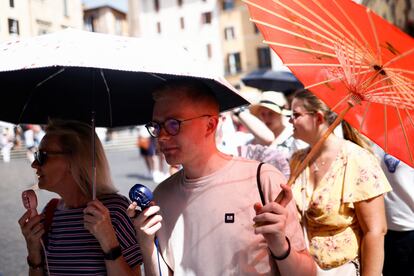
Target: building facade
[105, 19]
[216, 31]
[243, 49]
[398, 12]
[192, 23]
[24, 18]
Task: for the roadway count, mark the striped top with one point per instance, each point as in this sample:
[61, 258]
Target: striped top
[72, 250]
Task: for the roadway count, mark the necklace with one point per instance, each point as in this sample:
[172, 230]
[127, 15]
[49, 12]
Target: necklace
[316, 167]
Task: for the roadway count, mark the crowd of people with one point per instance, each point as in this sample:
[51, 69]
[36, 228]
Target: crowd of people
[216, 214]
[20, 136]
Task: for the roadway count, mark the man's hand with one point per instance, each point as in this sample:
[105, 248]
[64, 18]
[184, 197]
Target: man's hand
[270, 221]
[285, 195]
[146, 223]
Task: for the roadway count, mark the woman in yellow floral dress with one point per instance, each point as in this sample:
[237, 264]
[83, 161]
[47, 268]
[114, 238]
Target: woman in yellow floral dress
[339, 195]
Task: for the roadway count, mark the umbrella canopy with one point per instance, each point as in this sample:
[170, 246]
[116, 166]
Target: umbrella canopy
[267, 79]
[71, 73]
[351, 59]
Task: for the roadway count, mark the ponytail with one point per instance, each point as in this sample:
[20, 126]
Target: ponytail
[351, 134]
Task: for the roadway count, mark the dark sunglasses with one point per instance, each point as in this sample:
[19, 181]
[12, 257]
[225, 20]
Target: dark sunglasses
[171, 126]
[41, 156]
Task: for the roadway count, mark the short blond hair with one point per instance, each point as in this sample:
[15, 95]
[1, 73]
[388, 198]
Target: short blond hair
[191, 89]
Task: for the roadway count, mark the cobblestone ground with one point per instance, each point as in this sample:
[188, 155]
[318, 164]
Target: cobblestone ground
[127, 169]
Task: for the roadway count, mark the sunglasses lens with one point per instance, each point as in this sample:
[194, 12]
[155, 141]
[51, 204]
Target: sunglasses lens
[172, 126]
[153, 129]
[40, 157]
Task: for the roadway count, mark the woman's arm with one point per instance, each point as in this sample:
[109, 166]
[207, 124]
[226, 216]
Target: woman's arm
[97, 221]
[371, 217]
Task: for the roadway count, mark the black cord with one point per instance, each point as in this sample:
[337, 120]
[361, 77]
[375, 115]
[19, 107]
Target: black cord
[158, 255]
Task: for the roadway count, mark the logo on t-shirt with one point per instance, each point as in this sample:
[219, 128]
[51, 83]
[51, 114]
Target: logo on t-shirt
[391, 162]
[229, 217]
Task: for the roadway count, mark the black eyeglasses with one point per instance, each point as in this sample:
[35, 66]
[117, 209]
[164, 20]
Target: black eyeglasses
[171, 126]
[41, 156]
[296, 115]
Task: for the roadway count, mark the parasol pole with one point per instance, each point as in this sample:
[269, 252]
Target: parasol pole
[298, 168]
[93, 176]
[93, 156]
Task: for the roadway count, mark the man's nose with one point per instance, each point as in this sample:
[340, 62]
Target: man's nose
[163, 135]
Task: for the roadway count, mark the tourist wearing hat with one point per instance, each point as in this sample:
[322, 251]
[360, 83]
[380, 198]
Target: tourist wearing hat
[268, 122]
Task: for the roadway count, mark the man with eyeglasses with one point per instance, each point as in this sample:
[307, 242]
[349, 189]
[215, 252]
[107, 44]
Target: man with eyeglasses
[203, 216]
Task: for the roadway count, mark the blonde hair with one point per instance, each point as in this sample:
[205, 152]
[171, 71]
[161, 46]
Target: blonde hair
[76, 139]
[313, 104]
[191, 89]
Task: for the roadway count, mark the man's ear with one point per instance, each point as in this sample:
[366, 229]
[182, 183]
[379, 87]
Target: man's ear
[212, 125]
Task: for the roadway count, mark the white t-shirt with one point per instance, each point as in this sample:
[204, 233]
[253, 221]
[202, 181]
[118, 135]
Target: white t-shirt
[399, 203]
[207, 226]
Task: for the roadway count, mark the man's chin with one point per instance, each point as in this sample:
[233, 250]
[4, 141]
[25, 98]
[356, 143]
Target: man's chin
[171, 160]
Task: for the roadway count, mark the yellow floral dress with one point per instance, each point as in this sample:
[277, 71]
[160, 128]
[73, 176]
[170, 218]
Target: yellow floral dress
[332, 226]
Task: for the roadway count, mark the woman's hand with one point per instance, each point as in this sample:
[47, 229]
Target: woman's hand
[97, 221]
[32, 230]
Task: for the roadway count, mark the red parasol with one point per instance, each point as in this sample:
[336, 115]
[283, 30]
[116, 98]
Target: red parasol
[356, 62]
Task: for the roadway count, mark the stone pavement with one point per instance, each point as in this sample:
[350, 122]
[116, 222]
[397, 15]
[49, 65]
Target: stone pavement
[127, 169]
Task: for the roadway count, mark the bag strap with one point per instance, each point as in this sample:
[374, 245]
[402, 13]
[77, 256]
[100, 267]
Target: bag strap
[49, 212]
[259, 183]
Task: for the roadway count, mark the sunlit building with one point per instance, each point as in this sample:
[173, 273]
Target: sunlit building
[193, 24]
[398, 12]
[217, 31]
[24, 18]
[105, 18]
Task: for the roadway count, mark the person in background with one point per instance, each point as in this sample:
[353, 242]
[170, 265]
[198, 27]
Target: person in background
[399, 208]
[146, 149]
[272, 140]
[84, 236]
[204, 214]
[38, 134]
[18, 137]
[268, 122]
[6, 143]
[29, 142]
[233, 142]
[340, 194]
[154, 160]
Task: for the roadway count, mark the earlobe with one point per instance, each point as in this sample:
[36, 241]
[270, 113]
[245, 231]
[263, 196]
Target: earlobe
[320, 117]
[212, 124]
